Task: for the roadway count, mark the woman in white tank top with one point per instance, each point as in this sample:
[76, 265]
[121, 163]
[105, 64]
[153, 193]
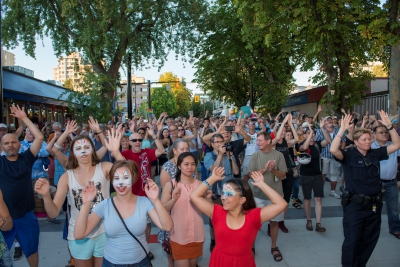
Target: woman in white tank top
[83, 167]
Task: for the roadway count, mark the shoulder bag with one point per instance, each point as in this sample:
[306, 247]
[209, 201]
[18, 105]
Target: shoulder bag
[137, 240]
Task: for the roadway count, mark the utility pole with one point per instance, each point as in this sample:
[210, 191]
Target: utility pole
[129, 87]
[1, 73]
[252, 96]
[149, 92]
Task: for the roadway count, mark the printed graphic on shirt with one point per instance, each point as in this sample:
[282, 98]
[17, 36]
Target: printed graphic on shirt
[77, 193]
[144, 166]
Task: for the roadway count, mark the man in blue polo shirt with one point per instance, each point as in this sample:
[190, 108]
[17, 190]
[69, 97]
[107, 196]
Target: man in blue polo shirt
[16, 185]
[388, 172]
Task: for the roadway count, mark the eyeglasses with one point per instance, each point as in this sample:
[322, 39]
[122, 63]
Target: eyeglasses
[218, 142]
[135, 140]
[385, 132]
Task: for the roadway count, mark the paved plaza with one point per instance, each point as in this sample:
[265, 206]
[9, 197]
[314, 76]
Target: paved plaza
[299, 247]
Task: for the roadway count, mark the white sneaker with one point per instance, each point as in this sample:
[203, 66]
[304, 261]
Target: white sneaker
[333, 194]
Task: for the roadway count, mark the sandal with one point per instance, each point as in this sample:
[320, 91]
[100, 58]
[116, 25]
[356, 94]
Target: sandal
[299, 201]
[277, 256]
[309, 225]
[319, 228]
[397, 235]
[296, 205]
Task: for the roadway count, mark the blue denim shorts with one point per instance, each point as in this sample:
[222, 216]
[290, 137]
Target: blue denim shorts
[26, 230]
[84, 249]
[143, 263]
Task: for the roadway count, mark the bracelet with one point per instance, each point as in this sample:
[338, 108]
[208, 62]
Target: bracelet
[207, 184]
[4, 220]
[391, 128]
[57, 146]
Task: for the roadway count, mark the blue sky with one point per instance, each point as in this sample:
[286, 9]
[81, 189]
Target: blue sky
[46, 60]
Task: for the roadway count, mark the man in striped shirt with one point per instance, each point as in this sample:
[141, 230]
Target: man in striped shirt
[330, 167]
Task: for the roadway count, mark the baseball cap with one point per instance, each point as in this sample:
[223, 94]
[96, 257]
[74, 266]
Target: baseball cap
[326, 118]
[395, 121]
[2, 125]
[305, 124]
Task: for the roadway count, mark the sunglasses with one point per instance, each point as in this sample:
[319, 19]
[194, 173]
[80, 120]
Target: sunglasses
[180, 130]
[140, 132]
[135, 140]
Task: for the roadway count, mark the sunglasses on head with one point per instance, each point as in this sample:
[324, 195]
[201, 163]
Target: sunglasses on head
[135, 140]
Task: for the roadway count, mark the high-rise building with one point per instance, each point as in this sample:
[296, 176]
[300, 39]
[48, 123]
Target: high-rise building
[7, 58]
[70, 67]
[139, 94]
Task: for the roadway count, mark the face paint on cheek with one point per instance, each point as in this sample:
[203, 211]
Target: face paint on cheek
[122, 178]
[228, 191]
[82, 147]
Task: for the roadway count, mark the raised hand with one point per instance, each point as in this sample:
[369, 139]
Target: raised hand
[114, 140]
[385, 120]
[17, 112]
[319, 108]
[150, 132]
[94, 124]
[89, 193]
[151, 189]
[257, 177]
[176, 193]
[71, 127]
[42, 186]
[218, 173]
[345, 124]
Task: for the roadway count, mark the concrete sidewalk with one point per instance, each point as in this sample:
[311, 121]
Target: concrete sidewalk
[299, 247]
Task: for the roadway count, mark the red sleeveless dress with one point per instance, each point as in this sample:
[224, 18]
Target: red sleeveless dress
[233, 247]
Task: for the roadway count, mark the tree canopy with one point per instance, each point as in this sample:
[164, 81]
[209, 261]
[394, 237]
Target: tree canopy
[228, 64]
[163, 100]
[181, 93]
[105, 31]
[317, 34]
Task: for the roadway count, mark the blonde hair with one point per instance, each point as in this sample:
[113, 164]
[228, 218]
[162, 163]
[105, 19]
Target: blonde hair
[359, 132]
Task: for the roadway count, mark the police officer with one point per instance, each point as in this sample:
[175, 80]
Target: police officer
[362, 205]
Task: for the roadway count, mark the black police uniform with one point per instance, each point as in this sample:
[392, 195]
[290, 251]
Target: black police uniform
[362, 214]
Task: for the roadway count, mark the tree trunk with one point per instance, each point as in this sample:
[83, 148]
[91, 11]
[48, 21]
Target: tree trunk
[394, 79]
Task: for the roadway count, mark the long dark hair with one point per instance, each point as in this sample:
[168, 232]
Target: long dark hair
[236, 183]
[180, 159]
[72, 162]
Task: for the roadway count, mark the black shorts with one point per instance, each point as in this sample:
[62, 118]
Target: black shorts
[287, 186]
[314, 183]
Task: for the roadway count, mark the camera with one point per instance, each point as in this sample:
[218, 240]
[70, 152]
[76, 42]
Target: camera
[229, 147]
[229, 128]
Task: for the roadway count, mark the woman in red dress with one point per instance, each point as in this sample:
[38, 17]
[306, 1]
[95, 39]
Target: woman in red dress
[237, 222]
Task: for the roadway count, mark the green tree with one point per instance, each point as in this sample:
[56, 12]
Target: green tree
[105, 31]
[143, 109]
[228, 64]
[317, 34]
[163, 100]
[182, 94]
[90, 99]
[68, 84]
[378, 70]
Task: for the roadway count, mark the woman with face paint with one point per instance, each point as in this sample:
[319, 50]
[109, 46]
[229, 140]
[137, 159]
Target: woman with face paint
[187, 237]
[133, 209]
[83, 166]
[238, 220]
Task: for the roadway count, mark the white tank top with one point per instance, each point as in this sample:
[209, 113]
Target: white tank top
[75, 199]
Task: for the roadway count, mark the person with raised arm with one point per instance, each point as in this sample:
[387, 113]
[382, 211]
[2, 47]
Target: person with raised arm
[362, 200]
[124, 212]
[16, 185]
[83, 166]
[238, 220]
[311, 176]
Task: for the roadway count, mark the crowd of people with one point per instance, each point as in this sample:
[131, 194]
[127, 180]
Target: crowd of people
[112, 180]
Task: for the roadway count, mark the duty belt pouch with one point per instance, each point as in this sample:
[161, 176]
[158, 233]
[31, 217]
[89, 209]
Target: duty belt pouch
[360, 199]
[345, 199]
[367, 204]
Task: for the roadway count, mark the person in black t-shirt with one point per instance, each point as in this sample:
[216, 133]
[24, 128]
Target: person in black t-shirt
[16, 185]
[311, 176]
